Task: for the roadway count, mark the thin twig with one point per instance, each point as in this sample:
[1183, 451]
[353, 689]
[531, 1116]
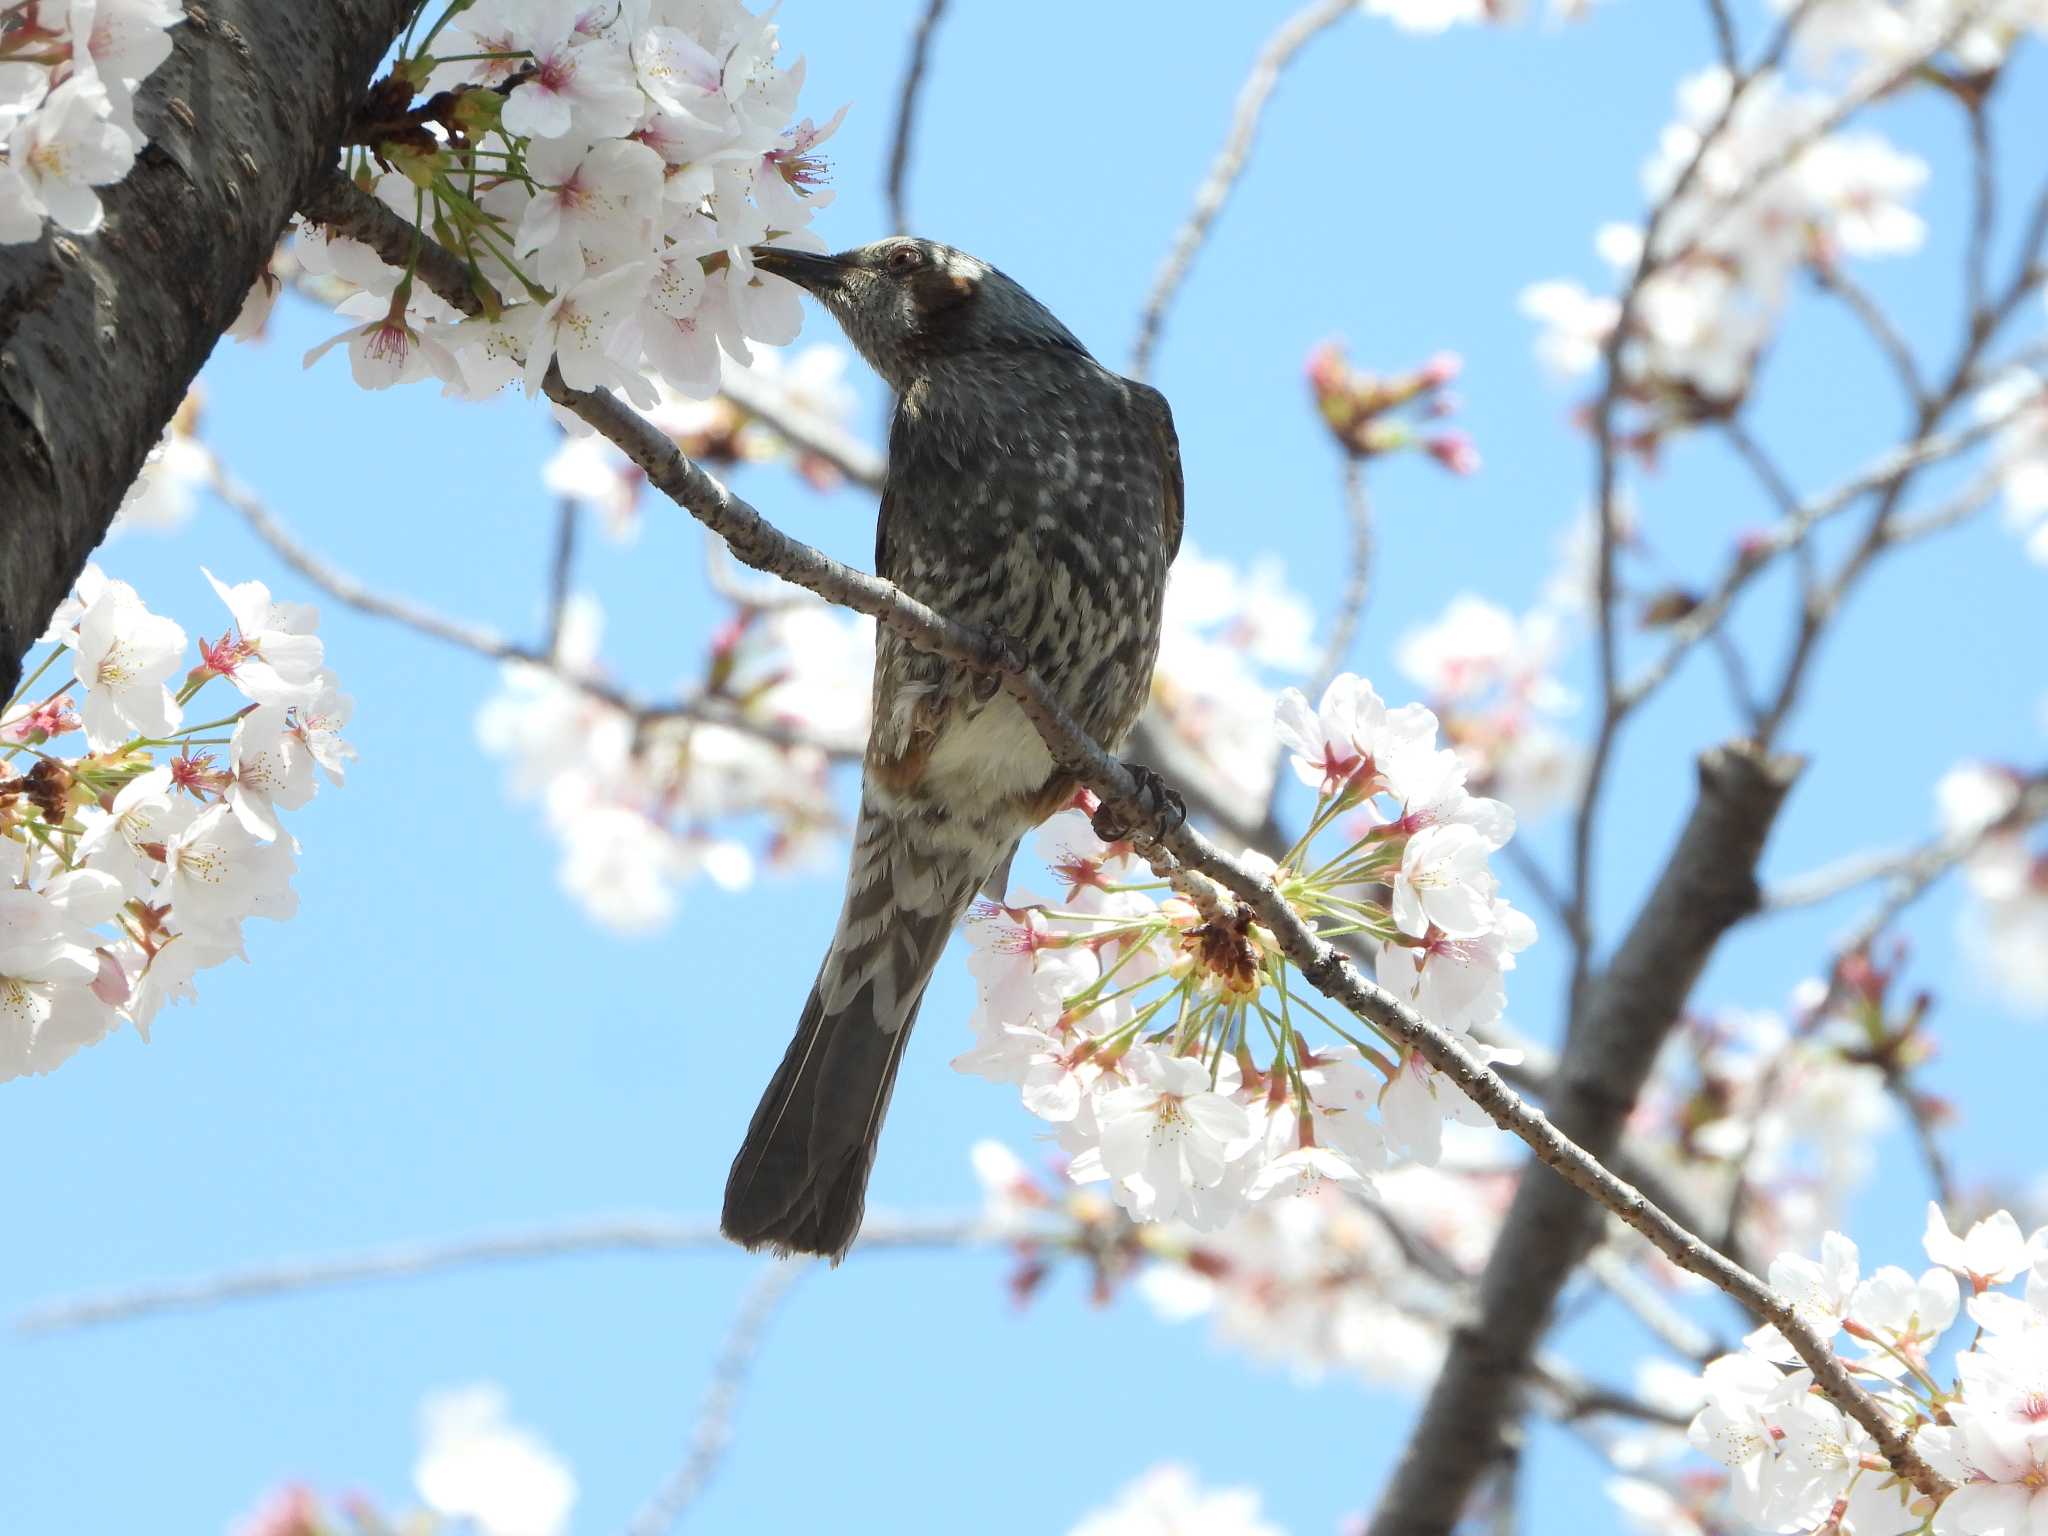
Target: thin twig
[1792, 532]
[1905, 874]
[1357, 575]
[1725, 45]
[1678, 1333]
[1605, 487]
[1343, 625]
[802, 428]
[1277, 53]
[1983, 209]
[1907, 878]
[713, 1432]
[1157, 833]
[904, 133]
[1753, 453]
[561, 574]
[346, 589]
[410, 1261]
[1831, 278]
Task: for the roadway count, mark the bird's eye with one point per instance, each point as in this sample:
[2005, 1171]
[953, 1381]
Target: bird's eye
[905, 258]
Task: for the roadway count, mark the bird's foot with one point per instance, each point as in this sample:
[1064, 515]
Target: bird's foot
[1008, 659]
[1161, 806]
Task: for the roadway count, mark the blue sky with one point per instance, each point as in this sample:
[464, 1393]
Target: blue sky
[441, 1043]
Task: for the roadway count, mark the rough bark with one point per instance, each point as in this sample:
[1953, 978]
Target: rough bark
[1707, 887]
[100, 335]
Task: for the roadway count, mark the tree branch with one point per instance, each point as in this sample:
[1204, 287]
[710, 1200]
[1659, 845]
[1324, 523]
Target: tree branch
[1707, 888]
[905, 131]
[708, 1442]
[346, 589]
[1279, 51]
[804, 429]
[409, 1261]
[100, 335]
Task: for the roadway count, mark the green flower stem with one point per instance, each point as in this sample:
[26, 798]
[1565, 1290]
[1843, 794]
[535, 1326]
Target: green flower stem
[30, 681]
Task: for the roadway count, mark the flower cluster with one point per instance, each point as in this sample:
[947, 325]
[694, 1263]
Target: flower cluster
[1364, 411]
[606, 167]
[642, 801]
[1797, 1462]
[1873, 40]
[1223, 633]
[1774, 195]
[1786, 1113]
[138, 853]
[2005, 929]
[1490, 678]
[1327, 1281]
[714, 433]
[1158, 1031]
[68, 73]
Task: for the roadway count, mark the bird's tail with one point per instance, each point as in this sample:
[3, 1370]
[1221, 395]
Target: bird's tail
[799, 1184]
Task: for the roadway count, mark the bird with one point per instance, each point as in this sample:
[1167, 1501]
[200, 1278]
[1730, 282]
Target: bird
[1029, 490]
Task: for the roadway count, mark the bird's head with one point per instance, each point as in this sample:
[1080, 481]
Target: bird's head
[907, 304]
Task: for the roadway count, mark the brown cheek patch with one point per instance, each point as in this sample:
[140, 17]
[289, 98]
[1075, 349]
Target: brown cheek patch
[938, 292]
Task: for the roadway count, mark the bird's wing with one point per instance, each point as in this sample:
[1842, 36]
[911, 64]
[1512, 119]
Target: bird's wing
[914, 690]
[1160, 415]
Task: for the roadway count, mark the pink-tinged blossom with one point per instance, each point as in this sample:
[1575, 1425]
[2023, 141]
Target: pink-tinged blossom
[1339, 746]
[272, 654]
[123, 42]
[582, 331]
[2004, 1476]
[318, 724]
[1991, 1253]
[217, 872]
[1444, 883]
[127, 840]
[1458, 984]
[271, 769]
[1166, 1133]
[67, 148]
[1821, 1294]
[388, 350]
[596, 207]
[124, 655]
[578, 88]
[48, 1010]
[1898, 1319]
[1419, 1101]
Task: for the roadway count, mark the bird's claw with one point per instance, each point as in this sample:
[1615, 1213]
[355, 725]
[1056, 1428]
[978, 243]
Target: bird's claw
[1159, 804]
[1007, 659]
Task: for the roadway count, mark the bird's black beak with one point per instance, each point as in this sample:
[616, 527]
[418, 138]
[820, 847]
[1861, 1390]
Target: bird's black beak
[820, 274]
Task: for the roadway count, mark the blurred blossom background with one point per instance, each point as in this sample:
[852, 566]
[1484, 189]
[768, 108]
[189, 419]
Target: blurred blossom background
[544, 960]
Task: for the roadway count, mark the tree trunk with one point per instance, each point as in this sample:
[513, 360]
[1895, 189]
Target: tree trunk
[1708, 886]
[100, 335]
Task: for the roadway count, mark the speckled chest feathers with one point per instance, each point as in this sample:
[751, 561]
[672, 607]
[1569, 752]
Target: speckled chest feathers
[1035, 492]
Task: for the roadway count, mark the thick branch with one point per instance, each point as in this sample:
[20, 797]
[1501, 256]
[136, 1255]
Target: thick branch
[101, 334]
[1707, 887]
